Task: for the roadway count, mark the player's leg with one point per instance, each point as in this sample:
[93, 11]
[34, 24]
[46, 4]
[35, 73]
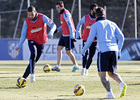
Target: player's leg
[59, 58]
[27, 72]
[72, 57]
[113, 68]
[102, 64]
[119, 80]
[106, 84]
[59, 54]
[30, 68]
[69, 44]
[39, 51]
[84, 60]
[112, 73]
[92, 50]
[115, 76]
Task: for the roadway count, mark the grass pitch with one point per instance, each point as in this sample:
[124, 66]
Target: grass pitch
[60, 85]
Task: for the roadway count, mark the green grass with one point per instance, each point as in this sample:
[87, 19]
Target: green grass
[60, 85]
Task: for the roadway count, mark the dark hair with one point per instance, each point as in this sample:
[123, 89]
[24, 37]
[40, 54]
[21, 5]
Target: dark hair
[100, 11]
[60, 3]
[93, 5]
[31, 8]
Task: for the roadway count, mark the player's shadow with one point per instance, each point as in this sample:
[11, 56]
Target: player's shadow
[9, 88]
[82, 99]
[66, 95]
[8, 77]
[134, 84]
[78, 98]
[61, 99]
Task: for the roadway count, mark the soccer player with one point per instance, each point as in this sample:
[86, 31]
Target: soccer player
[67, 38]
[87, 20]
[109, 50]
[34, 29]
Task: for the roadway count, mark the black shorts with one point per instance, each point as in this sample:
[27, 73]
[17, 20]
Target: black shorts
[107, 61]
[66, 42]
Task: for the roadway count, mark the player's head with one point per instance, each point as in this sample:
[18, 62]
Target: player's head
[59, 6]
[93, 8]
[31, 12]
[100, 12]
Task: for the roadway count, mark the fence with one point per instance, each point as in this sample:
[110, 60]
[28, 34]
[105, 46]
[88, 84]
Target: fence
[8, 19]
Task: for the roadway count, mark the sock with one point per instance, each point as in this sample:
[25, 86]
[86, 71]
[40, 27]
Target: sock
[86, 70]
[58, 66]
[110, 93]
[24, 78]
[121, 84]
[76, 65]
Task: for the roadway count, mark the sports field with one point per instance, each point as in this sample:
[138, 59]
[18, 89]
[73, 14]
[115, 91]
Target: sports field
[60, 85]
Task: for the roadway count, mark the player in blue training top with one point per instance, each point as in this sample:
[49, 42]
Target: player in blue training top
[67, 38]
[34, 29]
[87, 20]
[109, 50]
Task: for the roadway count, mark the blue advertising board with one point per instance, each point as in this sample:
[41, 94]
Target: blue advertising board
[131, 49]
[7, 50]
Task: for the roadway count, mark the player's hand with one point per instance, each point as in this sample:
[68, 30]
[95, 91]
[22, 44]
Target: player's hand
[78, 38]
[118, 57]
[73, 40]
[95, 38]
[17, 49]
[49, 37]
[55, 31]
[119, 54]
[83, 52]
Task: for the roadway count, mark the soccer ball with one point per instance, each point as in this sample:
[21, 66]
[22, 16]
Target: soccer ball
[79, 90]
[21, 82]
[47, 68]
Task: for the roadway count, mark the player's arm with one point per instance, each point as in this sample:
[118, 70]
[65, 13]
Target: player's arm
[51, 24]
[23, 35]
[59, 29]
[78, 28]
[120, 37]
[67, 16]
[90, 39]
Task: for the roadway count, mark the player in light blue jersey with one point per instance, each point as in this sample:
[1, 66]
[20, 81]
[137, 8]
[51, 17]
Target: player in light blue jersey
[109, 50]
